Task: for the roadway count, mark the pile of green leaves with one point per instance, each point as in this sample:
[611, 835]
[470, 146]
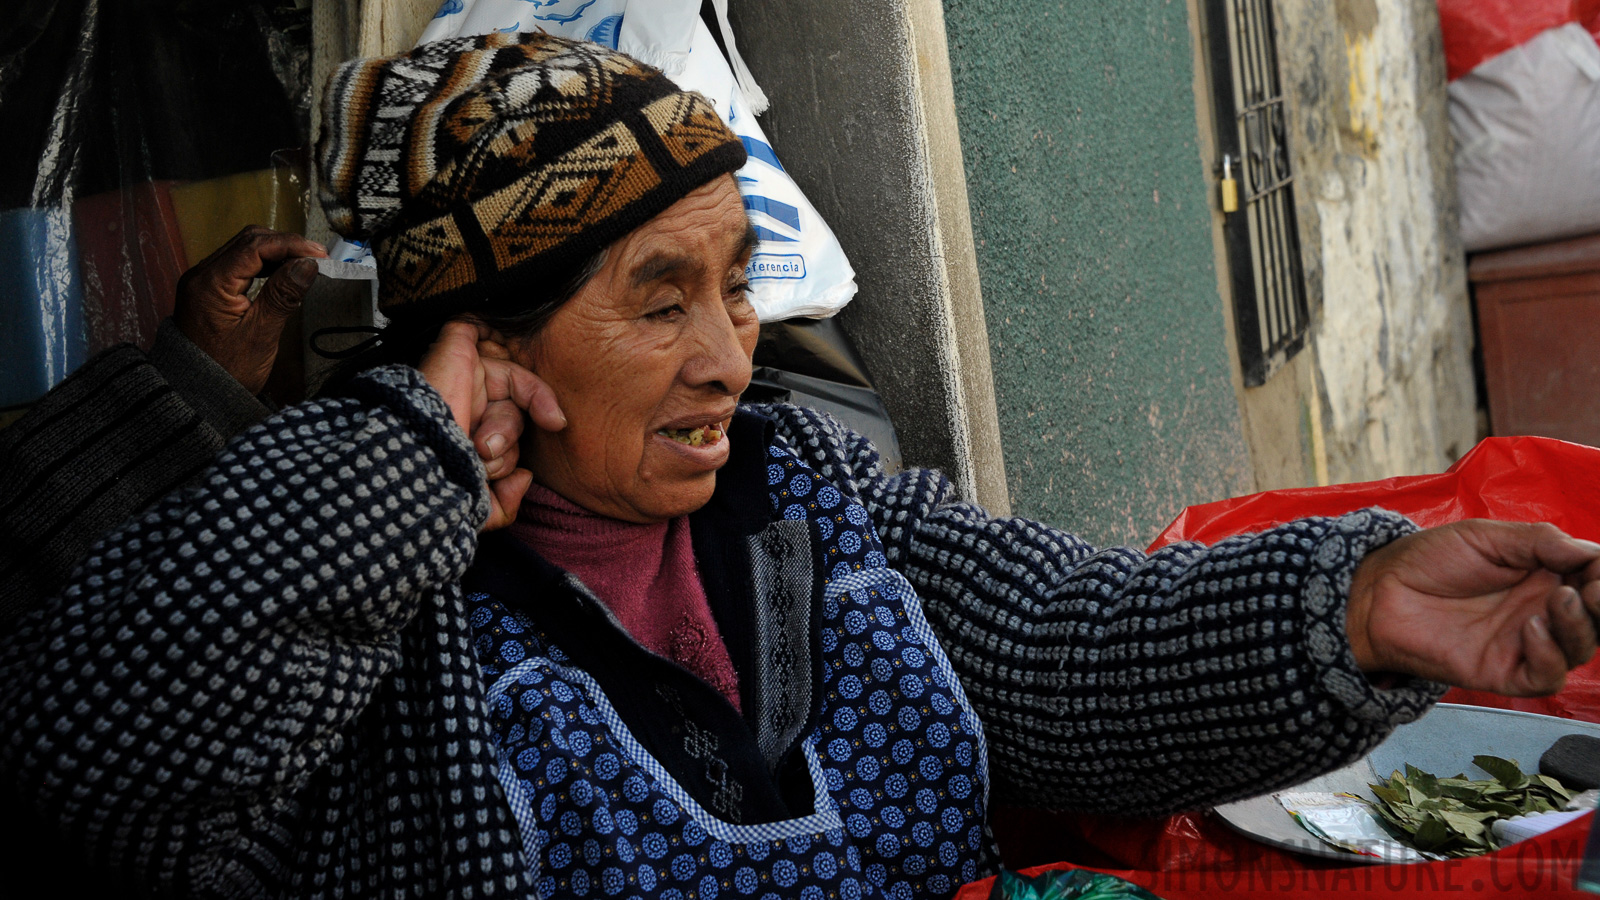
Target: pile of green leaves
[1068, 884]
[1451, 816]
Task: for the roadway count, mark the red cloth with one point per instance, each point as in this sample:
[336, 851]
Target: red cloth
[1512, 479]
[645, 574]
[1479, 30]
[1195, 855]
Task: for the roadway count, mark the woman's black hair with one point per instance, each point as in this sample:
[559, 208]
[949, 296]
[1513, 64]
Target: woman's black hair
[409, 333]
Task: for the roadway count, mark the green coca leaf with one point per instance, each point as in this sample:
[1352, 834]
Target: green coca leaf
[1505, 771]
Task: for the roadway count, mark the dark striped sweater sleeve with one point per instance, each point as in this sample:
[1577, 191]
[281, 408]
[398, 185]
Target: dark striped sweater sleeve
[1113, 680]
[125, 429]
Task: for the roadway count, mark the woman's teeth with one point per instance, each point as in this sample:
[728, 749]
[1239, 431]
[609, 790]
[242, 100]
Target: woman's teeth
[694, 437]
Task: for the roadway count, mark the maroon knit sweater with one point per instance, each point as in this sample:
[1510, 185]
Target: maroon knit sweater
[645, 574]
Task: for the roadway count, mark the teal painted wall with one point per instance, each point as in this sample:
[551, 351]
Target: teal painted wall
[1090, 212]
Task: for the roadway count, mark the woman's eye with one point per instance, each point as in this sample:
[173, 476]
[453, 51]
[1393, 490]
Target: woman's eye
[666, 312]
[742, 289]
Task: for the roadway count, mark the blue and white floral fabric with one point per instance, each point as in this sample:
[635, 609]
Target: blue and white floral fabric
[896, 755]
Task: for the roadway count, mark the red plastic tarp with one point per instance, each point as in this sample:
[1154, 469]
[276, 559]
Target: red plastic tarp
[1513, 479]
[1195, 855]
[1476, 30]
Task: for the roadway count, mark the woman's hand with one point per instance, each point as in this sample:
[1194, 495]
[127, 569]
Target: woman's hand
[240, 333]
[1490, 606]
[491, 398]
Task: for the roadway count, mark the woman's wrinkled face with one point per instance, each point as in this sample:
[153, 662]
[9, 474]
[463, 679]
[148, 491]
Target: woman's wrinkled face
[648, 361]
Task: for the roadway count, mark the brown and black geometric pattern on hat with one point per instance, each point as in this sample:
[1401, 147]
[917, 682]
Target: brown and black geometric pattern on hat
[688, 128]
[471, 162]
[426, 260]
[590, 184]
[493, 135]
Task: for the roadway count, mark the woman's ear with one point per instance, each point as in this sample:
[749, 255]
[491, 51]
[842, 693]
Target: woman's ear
[494, 345]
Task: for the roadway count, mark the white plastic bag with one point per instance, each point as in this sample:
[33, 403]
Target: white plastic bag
[1527, 130]
[798, 268]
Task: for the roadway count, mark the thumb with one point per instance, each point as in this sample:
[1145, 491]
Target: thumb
[284, 291]
[506, 498]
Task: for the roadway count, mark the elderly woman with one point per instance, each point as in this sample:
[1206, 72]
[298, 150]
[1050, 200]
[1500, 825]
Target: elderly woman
[717, 650]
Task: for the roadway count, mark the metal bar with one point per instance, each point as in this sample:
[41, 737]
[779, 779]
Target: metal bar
[1270, 33]
[1273, 296]
[1296, 297]
[1272, 264]
[1257, 136]
[1260, 80]
[1242, 53]
[1269, 189]
[1280, 250]
[1270, 101]
[1283, 240]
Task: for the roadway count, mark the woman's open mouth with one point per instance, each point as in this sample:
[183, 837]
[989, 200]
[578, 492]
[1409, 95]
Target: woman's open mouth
[702, 436]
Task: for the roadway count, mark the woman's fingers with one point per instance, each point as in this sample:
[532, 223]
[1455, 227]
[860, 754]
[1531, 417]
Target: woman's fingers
[1548, 547]
[1571, 626]
[497, 436]
[487, 395]
[505, 380]
[455, 370]
[505, 497]
[1544, 667]
[255, 251]
[1527, 546]
[1589, 577]
[544, 409]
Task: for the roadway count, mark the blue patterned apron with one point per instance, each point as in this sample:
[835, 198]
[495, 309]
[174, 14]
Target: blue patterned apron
[896, 758]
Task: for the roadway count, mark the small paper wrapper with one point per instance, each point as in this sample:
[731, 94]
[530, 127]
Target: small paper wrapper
[1347, 822]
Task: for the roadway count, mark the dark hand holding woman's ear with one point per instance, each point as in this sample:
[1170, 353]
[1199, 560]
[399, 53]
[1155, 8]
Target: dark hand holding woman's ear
[491, 398]
[1490, 606]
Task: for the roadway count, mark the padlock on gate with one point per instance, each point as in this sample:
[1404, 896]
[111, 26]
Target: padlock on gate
[1230, 187]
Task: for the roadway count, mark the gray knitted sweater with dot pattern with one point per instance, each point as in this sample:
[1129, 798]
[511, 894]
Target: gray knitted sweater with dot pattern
[263, 684]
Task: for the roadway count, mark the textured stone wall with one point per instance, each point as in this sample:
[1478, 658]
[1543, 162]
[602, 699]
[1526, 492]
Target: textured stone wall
[1091, 214]
[1377, 204]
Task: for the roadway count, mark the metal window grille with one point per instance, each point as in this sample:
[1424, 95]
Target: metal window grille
[1262, 236]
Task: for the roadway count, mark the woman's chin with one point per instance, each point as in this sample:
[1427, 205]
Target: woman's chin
[680, 478]
[679, 498]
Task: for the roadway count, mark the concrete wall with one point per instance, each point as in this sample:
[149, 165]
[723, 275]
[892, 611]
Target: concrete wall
[1371, 147]
[1090, 206]
[863, 118]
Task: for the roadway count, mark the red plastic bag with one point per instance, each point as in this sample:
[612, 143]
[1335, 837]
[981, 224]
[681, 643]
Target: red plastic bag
[1476, 30]
[1195, 855]
[1513, 479]
[1517, 479]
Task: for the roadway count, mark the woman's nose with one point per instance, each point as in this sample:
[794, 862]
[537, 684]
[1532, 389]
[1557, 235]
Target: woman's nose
[722, 357]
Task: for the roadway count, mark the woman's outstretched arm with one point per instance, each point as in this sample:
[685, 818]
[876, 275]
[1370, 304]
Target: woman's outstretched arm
[1115, 680]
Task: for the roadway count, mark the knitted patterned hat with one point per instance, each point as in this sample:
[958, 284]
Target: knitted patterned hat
[475, 164]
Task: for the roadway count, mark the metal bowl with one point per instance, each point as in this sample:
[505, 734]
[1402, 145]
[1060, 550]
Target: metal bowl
[1443, 742]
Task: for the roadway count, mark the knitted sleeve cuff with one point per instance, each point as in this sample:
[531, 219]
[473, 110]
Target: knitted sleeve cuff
[1347, 541]
[405, 392]
[203, 383]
